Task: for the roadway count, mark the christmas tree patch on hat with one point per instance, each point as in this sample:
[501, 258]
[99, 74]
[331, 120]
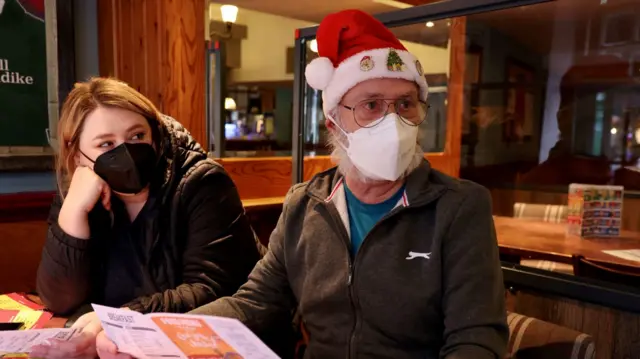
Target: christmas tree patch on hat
[354, 47]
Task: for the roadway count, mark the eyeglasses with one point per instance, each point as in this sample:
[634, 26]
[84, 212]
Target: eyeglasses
[367, 113]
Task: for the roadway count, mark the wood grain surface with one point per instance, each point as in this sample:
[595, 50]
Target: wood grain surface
[539, 240]
[158, 47]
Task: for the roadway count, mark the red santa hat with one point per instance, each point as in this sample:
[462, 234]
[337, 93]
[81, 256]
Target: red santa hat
[353, 47]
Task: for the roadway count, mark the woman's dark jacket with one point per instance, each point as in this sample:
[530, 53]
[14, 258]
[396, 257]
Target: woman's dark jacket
[199, 245]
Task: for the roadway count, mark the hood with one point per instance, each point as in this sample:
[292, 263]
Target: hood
[180, 151]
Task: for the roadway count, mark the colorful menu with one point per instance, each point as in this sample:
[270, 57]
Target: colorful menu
[180, 336]
[594, 211]
[195, 338]
[16, 308]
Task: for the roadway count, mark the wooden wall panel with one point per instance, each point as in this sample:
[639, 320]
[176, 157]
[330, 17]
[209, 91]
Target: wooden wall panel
[21, 244]
[455, 98]
[158, 47]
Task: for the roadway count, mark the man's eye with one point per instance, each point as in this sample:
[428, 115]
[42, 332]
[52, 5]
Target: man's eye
[371, 105]
[405, 104]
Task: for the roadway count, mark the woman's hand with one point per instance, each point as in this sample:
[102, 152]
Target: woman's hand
[85, 190]
[82, 346]
[107, 349]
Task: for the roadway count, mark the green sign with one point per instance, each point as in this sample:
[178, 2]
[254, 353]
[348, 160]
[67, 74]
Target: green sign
[23, 73]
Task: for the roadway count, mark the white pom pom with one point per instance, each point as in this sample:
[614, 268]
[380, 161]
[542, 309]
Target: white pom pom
[319, 73]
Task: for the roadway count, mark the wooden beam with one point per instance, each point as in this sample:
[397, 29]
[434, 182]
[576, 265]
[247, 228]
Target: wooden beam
[418, 2]
[158, 47]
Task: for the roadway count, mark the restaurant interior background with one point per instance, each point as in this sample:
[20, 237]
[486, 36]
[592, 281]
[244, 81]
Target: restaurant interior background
[526, 97]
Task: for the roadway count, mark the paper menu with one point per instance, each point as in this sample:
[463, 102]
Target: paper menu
[21, 341]
[594, 211]
[8, 316]
[14, 301]
[180, 336]
[28, 312]
[628, 254]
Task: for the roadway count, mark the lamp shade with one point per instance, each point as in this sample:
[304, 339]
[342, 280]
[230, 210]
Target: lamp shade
[229, 104]
[229, 13]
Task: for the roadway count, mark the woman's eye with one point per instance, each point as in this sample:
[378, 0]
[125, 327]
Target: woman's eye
[138, 136]
[106, 144]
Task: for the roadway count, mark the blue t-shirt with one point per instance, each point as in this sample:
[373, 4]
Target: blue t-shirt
[363, 216]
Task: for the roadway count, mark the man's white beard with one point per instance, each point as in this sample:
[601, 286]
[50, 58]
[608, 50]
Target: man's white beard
[345, 166]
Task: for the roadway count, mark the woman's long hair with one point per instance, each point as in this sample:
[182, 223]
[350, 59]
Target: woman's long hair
[85, 98]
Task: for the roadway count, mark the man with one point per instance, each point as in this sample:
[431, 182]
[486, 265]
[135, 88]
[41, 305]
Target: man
[383, 257]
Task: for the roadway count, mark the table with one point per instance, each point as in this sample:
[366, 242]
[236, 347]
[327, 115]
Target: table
[260, 203]
[541, 240]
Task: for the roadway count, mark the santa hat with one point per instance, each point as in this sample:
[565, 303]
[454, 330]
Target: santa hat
[353, 47]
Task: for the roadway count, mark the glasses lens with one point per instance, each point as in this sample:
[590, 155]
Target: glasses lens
[368, 112]
[412, 112]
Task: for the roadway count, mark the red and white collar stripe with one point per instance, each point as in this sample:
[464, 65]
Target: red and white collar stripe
[404, 201]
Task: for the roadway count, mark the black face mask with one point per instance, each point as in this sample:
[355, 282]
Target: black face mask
[127, 168]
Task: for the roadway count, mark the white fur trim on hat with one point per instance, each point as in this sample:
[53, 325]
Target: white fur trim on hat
[354, 70]
[319, 73]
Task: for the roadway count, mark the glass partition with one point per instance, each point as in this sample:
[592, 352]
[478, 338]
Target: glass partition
[256, 67]
[559, 102]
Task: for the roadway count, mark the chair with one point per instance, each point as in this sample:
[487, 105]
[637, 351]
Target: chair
[534, 338]
[540, 212]
[544, 213]
[608, 273]
[528, 338]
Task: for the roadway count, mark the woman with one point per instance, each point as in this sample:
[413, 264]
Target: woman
[144, 219]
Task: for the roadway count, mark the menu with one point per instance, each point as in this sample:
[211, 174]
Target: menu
[180, 336]
[16, 308]
[594, 211]
[157, 335]
[21, 341]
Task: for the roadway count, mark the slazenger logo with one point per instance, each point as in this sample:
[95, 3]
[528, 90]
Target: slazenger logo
[414, 255]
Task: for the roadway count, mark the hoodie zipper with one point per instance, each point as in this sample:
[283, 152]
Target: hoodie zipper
[353, 296]
[352, 262]
[342, 231]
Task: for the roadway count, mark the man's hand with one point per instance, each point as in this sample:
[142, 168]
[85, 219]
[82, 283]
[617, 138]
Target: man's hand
[82, 346]
[107, 349]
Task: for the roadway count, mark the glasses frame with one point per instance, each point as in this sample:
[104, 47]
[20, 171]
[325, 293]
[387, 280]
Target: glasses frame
[386, 112]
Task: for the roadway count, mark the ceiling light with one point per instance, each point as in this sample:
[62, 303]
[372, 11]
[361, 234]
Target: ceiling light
[313, 45]
[229, 104]
[430, 24]
[393, 3]
[614, 131]
[229, 13]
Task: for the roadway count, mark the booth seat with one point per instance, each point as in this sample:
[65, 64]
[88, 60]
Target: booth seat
[544, 213]
[531, 338]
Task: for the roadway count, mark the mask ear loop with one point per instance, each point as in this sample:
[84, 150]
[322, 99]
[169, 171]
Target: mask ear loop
[345, 135]
[87, 157]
